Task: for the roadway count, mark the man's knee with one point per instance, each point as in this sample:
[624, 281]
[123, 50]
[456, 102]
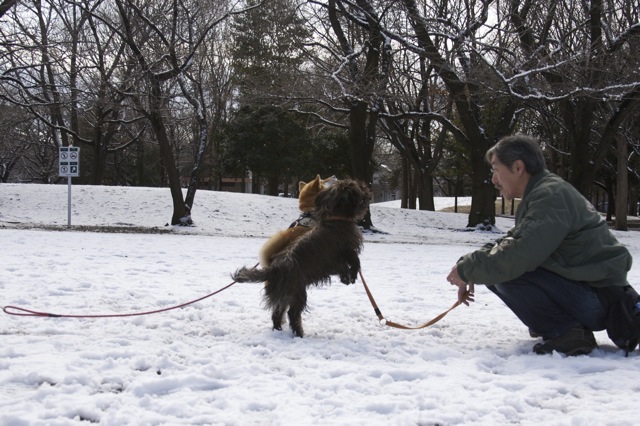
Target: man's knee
[504, 288]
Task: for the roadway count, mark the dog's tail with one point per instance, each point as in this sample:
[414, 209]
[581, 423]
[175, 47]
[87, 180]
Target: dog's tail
[250, 275]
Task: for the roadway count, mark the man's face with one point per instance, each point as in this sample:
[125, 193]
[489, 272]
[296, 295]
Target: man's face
[510, 181]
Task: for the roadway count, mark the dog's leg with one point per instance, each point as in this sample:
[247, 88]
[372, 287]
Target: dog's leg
[350, 269]
[354, 267]
[277, 316]
[298, 305]
[276, 300]
[295, 321]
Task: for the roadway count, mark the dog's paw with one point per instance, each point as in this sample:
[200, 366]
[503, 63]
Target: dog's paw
[350, 276]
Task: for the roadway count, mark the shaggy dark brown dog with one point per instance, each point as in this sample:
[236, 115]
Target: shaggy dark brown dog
[329, 248]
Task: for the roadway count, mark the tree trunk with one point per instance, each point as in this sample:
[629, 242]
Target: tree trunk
[633, 199]
[181, 213]
[405, 193]
[272, 185]
[610, 199]
[413, 190]
[203, 137]
[5, 5]
[140, 176]
[99, 152]
[362, 124]
[425, 192]
[621, 186]
[483, 193]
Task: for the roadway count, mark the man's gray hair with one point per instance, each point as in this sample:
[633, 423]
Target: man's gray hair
[518, 147]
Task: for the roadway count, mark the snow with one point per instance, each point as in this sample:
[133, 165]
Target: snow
[217, 361]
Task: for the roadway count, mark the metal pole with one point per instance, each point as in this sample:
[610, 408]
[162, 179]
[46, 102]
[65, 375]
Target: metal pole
[69, 202]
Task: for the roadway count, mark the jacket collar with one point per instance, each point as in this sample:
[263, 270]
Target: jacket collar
[533, 182]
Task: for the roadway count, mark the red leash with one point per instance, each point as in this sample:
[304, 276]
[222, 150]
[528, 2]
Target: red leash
[22, 312]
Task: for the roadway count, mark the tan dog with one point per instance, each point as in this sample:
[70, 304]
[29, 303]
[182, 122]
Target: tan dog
[306, 204]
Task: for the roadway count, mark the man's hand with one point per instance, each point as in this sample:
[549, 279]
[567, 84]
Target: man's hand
[465, 290]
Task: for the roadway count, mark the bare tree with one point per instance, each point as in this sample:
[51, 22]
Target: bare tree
[415, 106]
[351, 58]
[59, 63]
[164, 39]
[14, 141]
[569, 62]
[5, 5]
[34, 77]
[576, 68]
[446, 41]
[95, 72]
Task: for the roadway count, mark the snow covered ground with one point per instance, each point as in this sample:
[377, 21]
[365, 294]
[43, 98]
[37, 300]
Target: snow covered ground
[217, 362]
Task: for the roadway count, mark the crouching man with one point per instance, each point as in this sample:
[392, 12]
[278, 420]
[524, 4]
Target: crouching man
[550, 266]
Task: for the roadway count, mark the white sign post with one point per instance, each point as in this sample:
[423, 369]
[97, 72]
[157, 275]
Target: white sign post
[69, 166]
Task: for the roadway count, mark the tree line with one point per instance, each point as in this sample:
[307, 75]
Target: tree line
[182, 93]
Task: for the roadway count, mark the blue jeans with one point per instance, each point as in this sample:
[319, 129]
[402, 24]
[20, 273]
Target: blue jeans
[551, 305]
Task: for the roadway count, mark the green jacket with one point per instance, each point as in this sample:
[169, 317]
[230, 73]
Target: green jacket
[557, 229]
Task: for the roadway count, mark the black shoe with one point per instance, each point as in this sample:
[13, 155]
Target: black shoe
[576, 341]
[534, 334]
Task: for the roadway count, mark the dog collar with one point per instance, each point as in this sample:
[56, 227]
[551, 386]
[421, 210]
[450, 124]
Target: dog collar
[340, 218]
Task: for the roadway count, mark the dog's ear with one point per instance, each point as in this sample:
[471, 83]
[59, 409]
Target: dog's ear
[302, 184]
[328, 182]
[308, 192]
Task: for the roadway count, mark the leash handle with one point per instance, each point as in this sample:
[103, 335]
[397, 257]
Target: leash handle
[384, 321]
[22, 312]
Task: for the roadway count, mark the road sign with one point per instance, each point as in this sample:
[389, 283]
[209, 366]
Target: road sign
[69, 161]
[69, 166]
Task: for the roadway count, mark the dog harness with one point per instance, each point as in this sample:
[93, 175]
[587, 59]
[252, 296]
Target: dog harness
[306, 219]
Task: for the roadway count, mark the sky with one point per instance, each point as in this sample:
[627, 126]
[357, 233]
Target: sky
[218, 362]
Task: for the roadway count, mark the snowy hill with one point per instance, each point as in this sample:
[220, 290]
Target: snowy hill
[214, 213]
